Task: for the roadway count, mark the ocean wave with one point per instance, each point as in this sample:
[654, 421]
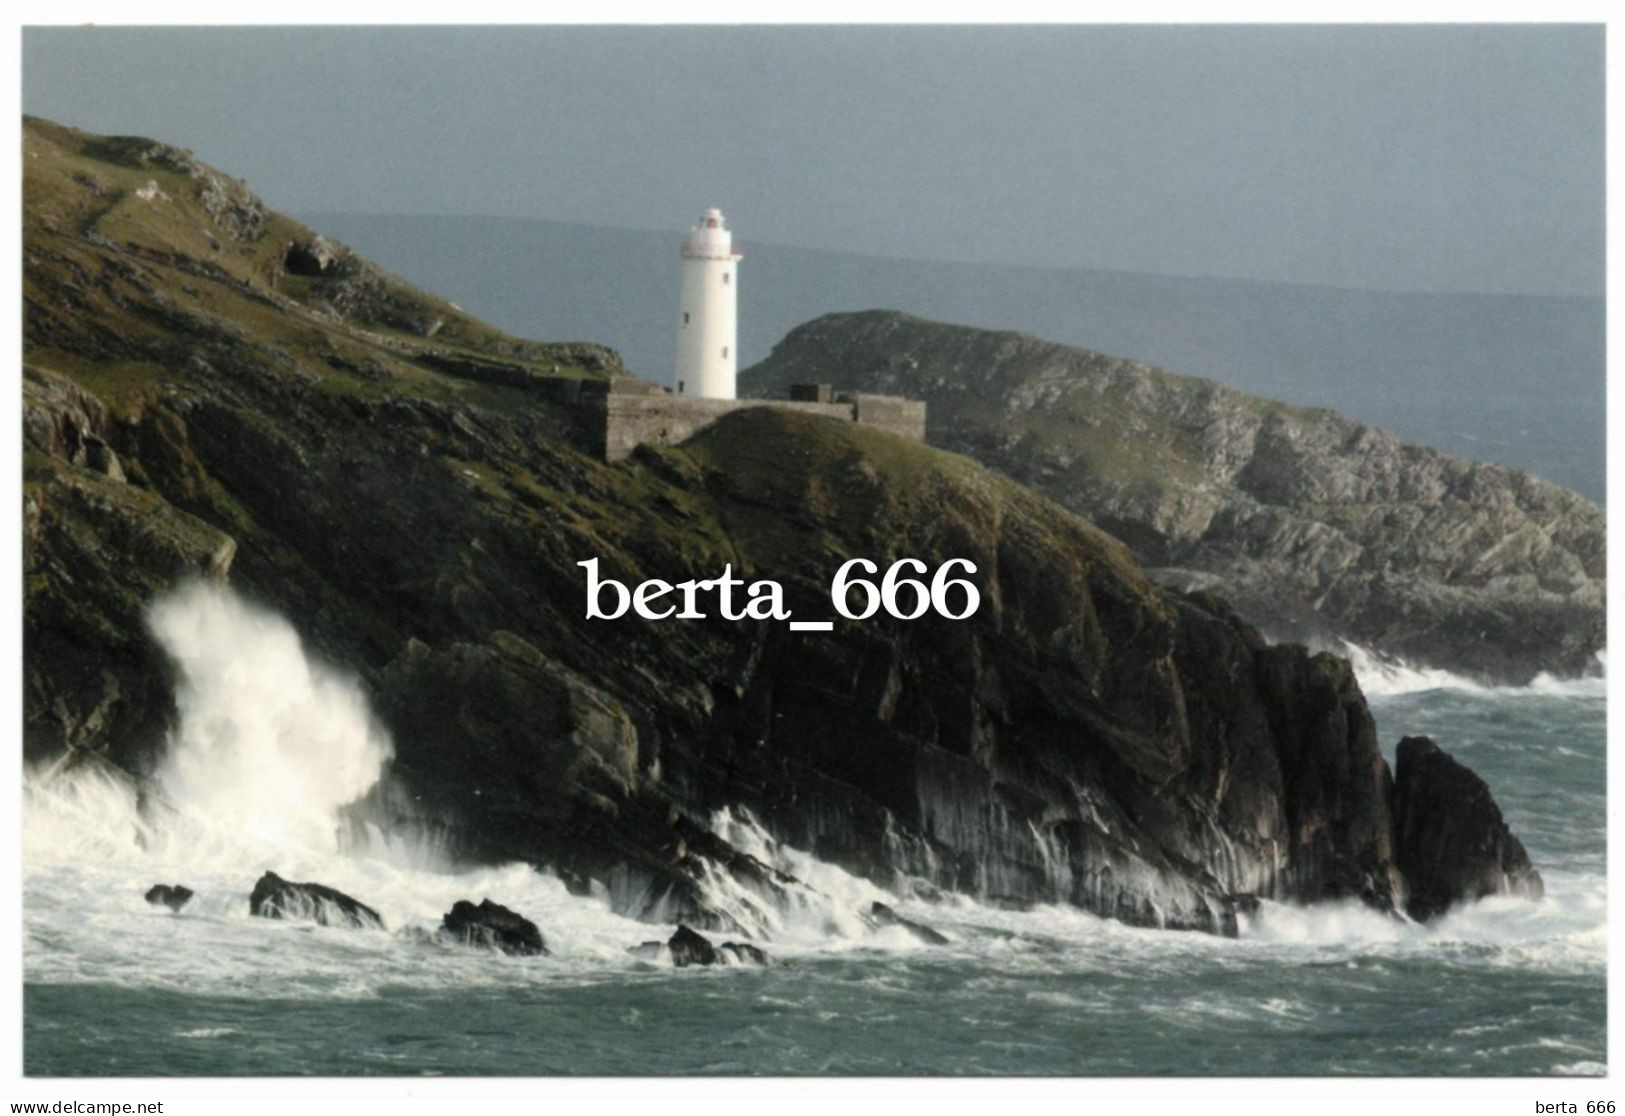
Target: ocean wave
[1566, 930]
[1386, 676]
[86, 921]
[94, 842]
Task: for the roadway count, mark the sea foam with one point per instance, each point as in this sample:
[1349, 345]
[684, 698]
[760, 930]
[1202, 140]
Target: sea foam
[271, 745]
[1388, 676]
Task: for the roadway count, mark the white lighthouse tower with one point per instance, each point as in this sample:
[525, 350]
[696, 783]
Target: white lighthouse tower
[708, 312]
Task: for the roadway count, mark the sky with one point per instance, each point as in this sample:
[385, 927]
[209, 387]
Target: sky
[1423, 158]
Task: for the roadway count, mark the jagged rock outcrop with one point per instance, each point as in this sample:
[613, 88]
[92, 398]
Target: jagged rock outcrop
[233, 210]
[173, 896]
[493, 926]
[1450, 840]
[275, 897]
[1315, 526]
[310, 258]
[1088, 737]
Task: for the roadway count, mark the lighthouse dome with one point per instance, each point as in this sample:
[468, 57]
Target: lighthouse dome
[710, 239]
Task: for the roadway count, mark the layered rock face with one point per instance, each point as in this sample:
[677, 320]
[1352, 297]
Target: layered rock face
[1313, 525]
[1088, 737]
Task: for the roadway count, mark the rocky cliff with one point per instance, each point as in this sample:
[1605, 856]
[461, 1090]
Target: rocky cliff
[1315, 526]
[213, 391]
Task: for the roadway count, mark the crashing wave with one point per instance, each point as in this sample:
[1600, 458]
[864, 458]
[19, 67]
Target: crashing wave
[1386, 676]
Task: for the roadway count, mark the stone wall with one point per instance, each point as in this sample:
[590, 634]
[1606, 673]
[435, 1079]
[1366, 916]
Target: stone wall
[891, 413]
[631, 413]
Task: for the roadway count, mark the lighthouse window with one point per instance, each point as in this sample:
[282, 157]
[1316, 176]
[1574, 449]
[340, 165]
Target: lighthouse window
[685, 317]
[726, 276]
[724, 350]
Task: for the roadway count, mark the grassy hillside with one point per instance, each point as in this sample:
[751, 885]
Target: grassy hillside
[198, 256]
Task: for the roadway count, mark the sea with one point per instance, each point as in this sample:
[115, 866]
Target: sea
[271, 745]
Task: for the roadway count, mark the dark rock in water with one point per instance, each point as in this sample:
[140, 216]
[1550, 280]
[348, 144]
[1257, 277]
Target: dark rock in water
[493, 925]
[173, 896]
[1449, 837]
[885, 916]
[275, 897]
[690, 948]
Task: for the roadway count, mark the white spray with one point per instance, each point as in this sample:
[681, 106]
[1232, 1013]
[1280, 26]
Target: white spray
[271, 746]
[1387, 676]
[268, 740]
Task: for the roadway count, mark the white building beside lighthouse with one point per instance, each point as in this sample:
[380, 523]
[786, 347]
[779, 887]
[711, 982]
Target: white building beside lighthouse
[708, 312]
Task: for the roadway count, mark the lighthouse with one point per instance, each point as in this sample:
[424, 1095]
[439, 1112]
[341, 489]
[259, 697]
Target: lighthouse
[708, 312]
